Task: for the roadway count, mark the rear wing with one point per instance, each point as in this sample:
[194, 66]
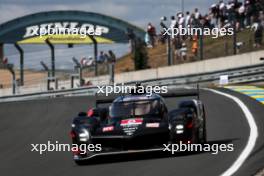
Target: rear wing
[181, 94]
[103, 101]
[184, 93]
[178, 93]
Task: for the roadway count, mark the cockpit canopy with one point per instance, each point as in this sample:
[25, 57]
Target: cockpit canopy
[134, 108]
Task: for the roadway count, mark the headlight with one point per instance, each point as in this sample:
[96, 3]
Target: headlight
[179, 131]
[179, 127]
[84, 135]
[73, 125]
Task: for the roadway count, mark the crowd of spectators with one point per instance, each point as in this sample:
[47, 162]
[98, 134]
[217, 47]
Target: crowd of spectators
[224, 14]
[106, 57]
[103, 57]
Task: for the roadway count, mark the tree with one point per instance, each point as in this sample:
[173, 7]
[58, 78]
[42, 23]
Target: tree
[140, 55]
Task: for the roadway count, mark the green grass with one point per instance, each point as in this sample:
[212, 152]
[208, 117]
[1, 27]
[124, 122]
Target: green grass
[213, 48]
[223, 46]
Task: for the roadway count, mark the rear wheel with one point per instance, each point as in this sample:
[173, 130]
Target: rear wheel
[195, 137]
[202, 134]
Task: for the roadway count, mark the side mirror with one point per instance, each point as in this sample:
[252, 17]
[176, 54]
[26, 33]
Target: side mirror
[103, 114]
[82, 114]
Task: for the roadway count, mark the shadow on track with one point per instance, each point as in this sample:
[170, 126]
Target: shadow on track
[147, 156]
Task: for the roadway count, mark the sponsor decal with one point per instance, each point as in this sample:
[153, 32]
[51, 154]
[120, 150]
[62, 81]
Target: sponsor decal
[152, 125]
[109, 128]
[63, 39]
[131, 125]
[36, 30]
[131, 122]
[129, 130]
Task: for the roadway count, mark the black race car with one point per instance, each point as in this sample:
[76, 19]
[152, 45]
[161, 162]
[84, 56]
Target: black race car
[138, 123]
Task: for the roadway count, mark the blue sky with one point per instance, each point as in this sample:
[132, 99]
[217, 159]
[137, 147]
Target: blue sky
[138, 12]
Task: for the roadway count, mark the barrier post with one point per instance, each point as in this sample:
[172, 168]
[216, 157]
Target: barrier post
[1, 54]
[234, 38]
[10, 67]
[95, 54]
[201, 45]
[112, 73]
[21, 53]
[169, 48]
[46, 68]
[79, 68]
[52, 57]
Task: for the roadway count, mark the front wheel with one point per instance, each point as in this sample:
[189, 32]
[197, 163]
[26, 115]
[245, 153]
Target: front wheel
[79, 162]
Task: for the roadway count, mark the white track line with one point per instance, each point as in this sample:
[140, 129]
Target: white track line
[252, 135]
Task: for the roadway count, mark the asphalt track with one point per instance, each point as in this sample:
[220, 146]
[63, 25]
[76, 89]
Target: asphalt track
[31, 122]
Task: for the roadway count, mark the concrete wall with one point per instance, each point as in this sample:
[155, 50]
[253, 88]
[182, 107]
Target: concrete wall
[137, 75]
[198, 67]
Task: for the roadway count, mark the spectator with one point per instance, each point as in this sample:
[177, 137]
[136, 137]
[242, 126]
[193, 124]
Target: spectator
[162, 38]
[258, 33]
[181, 20]
[173, 22]
[193, 22]
[5, 61]
[248, 13]
[112, 57]
[101, 58]
[195, 46]
[181, 23]
[230, 11]
[222, 13]
[90, 61]
[196, 17]
[197, 14]
[177, 45]
[207, 21]
[261, 17]
[222, 7]
[241, 16]
[183, 52]
[152, 34]
[213, 14]
[106, 57]
[88, 83]
[87, 62]
[131, 37]
[188, 19]
[147, 40]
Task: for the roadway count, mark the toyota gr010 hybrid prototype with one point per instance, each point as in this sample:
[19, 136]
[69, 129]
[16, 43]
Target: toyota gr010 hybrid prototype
[138, 123]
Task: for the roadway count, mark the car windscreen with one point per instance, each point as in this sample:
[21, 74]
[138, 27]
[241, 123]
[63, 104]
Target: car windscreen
[134, 108]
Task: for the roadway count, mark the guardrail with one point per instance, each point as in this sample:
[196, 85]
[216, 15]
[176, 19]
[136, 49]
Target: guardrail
[253, 73]
[238, 75]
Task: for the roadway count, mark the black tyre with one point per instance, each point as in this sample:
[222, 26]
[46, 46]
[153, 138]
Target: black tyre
[202, 134]
[79, 162]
